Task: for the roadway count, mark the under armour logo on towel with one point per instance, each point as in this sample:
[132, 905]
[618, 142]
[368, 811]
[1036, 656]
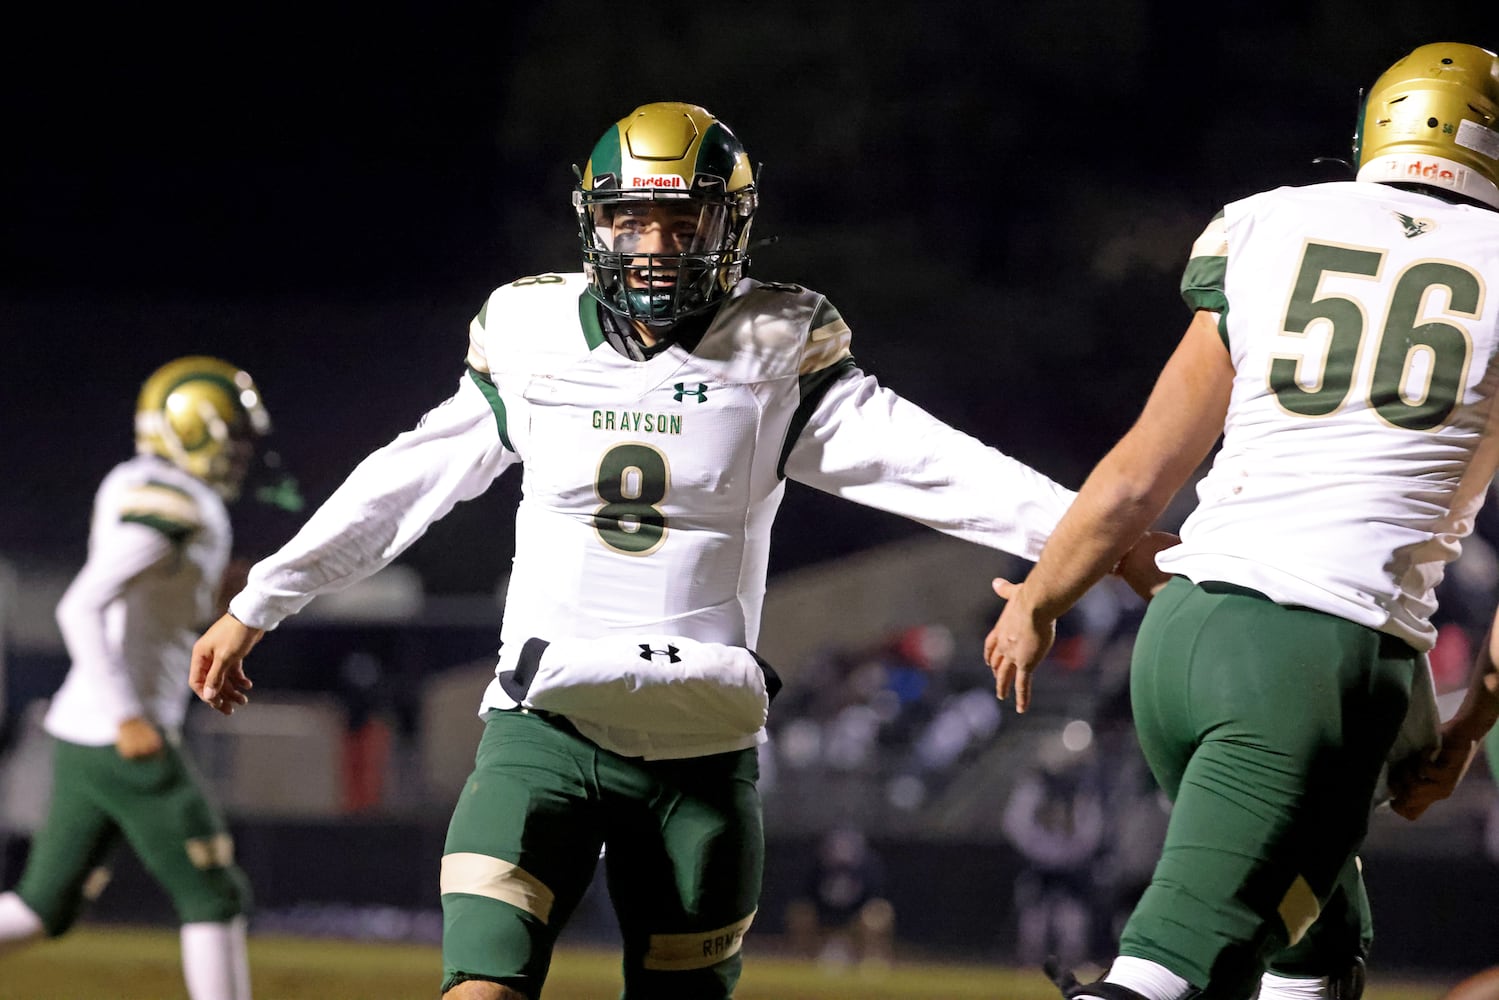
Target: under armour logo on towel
[670, 652]
[701, 392]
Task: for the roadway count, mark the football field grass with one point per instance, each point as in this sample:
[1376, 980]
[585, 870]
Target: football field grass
[114, 963]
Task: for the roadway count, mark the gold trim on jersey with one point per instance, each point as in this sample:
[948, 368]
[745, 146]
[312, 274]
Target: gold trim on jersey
[477, 359]
[699, 950]
[826, 346]
[482, 875]
[165, 502]
[1214, 240]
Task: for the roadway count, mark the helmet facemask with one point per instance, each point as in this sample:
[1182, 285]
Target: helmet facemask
[657, 258]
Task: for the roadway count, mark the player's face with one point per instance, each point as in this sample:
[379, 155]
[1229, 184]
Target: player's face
[654, 228]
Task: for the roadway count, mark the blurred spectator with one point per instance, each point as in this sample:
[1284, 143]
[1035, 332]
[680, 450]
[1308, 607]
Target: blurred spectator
[1055, 818]
[842, 917]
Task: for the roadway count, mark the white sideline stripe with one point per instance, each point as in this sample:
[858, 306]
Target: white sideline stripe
[481, 875]
[698, 950]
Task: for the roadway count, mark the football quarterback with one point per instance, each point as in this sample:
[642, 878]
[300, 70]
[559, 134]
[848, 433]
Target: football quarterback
[658, 401]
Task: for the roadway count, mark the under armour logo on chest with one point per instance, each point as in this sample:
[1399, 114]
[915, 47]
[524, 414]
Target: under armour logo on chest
[701, 392]
[670, 652]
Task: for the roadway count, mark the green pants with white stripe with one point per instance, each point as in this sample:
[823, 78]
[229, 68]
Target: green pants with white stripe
[1267, 726]
[157, 805]
[683, 845]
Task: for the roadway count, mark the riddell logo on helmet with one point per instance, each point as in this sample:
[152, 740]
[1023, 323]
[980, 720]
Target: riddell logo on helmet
[1430, 171]
[657, 181]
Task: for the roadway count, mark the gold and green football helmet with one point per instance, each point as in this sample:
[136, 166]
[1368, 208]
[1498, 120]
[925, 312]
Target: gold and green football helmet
[665, 158]
[203, 415]
[1433, 118]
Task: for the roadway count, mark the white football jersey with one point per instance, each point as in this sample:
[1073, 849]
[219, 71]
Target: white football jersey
[158, 543]
[1363, 325]
[650, 485]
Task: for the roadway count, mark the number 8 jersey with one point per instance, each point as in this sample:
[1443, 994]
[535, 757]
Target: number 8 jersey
[1362, 324]
[650, 486]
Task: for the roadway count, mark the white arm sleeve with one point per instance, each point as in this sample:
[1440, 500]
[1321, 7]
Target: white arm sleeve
[869, 445]
[116, 557]
[386, 504]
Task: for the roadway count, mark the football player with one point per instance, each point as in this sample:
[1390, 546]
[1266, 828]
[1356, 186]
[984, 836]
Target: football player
[1345, 344]
[159, 547]
[658, 400]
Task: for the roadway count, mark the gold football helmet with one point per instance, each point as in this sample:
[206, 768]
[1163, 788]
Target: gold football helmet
[679, 160]
[203, 415]
[1431, 119]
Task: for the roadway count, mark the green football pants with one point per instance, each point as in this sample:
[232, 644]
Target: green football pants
[684, 853]
[156, 804]
[1267, 726]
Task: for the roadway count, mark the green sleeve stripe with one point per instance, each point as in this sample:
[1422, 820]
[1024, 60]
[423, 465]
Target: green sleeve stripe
[1202, 288]
[483, 314]
[824, 314]
[813, 386]
[176, 531]
[1202, 283]
[1207, 270]
[158, 484]
[588, 318]
[495, 403]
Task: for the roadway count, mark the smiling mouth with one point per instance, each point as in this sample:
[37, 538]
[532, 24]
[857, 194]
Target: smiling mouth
[638, 280]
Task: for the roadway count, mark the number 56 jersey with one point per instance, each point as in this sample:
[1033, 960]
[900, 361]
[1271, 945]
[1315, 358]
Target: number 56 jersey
[1362, 321]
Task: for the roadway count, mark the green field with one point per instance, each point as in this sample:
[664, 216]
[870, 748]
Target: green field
[111, 963]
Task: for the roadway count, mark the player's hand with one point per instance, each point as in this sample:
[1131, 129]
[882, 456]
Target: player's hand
[1138, 565]
[138, 738]
[1019, 640]
[1424, 779]
[218, 671]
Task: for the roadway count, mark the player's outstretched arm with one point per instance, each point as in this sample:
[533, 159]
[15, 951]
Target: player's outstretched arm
[218, 671]
[1121, 498]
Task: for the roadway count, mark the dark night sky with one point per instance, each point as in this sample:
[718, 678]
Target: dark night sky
[998, 197]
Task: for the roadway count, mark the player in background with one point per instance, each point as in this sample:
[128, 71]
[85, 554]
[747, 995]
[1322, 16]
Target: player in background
[658, 401]
[159, 547]
[1344, 345]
